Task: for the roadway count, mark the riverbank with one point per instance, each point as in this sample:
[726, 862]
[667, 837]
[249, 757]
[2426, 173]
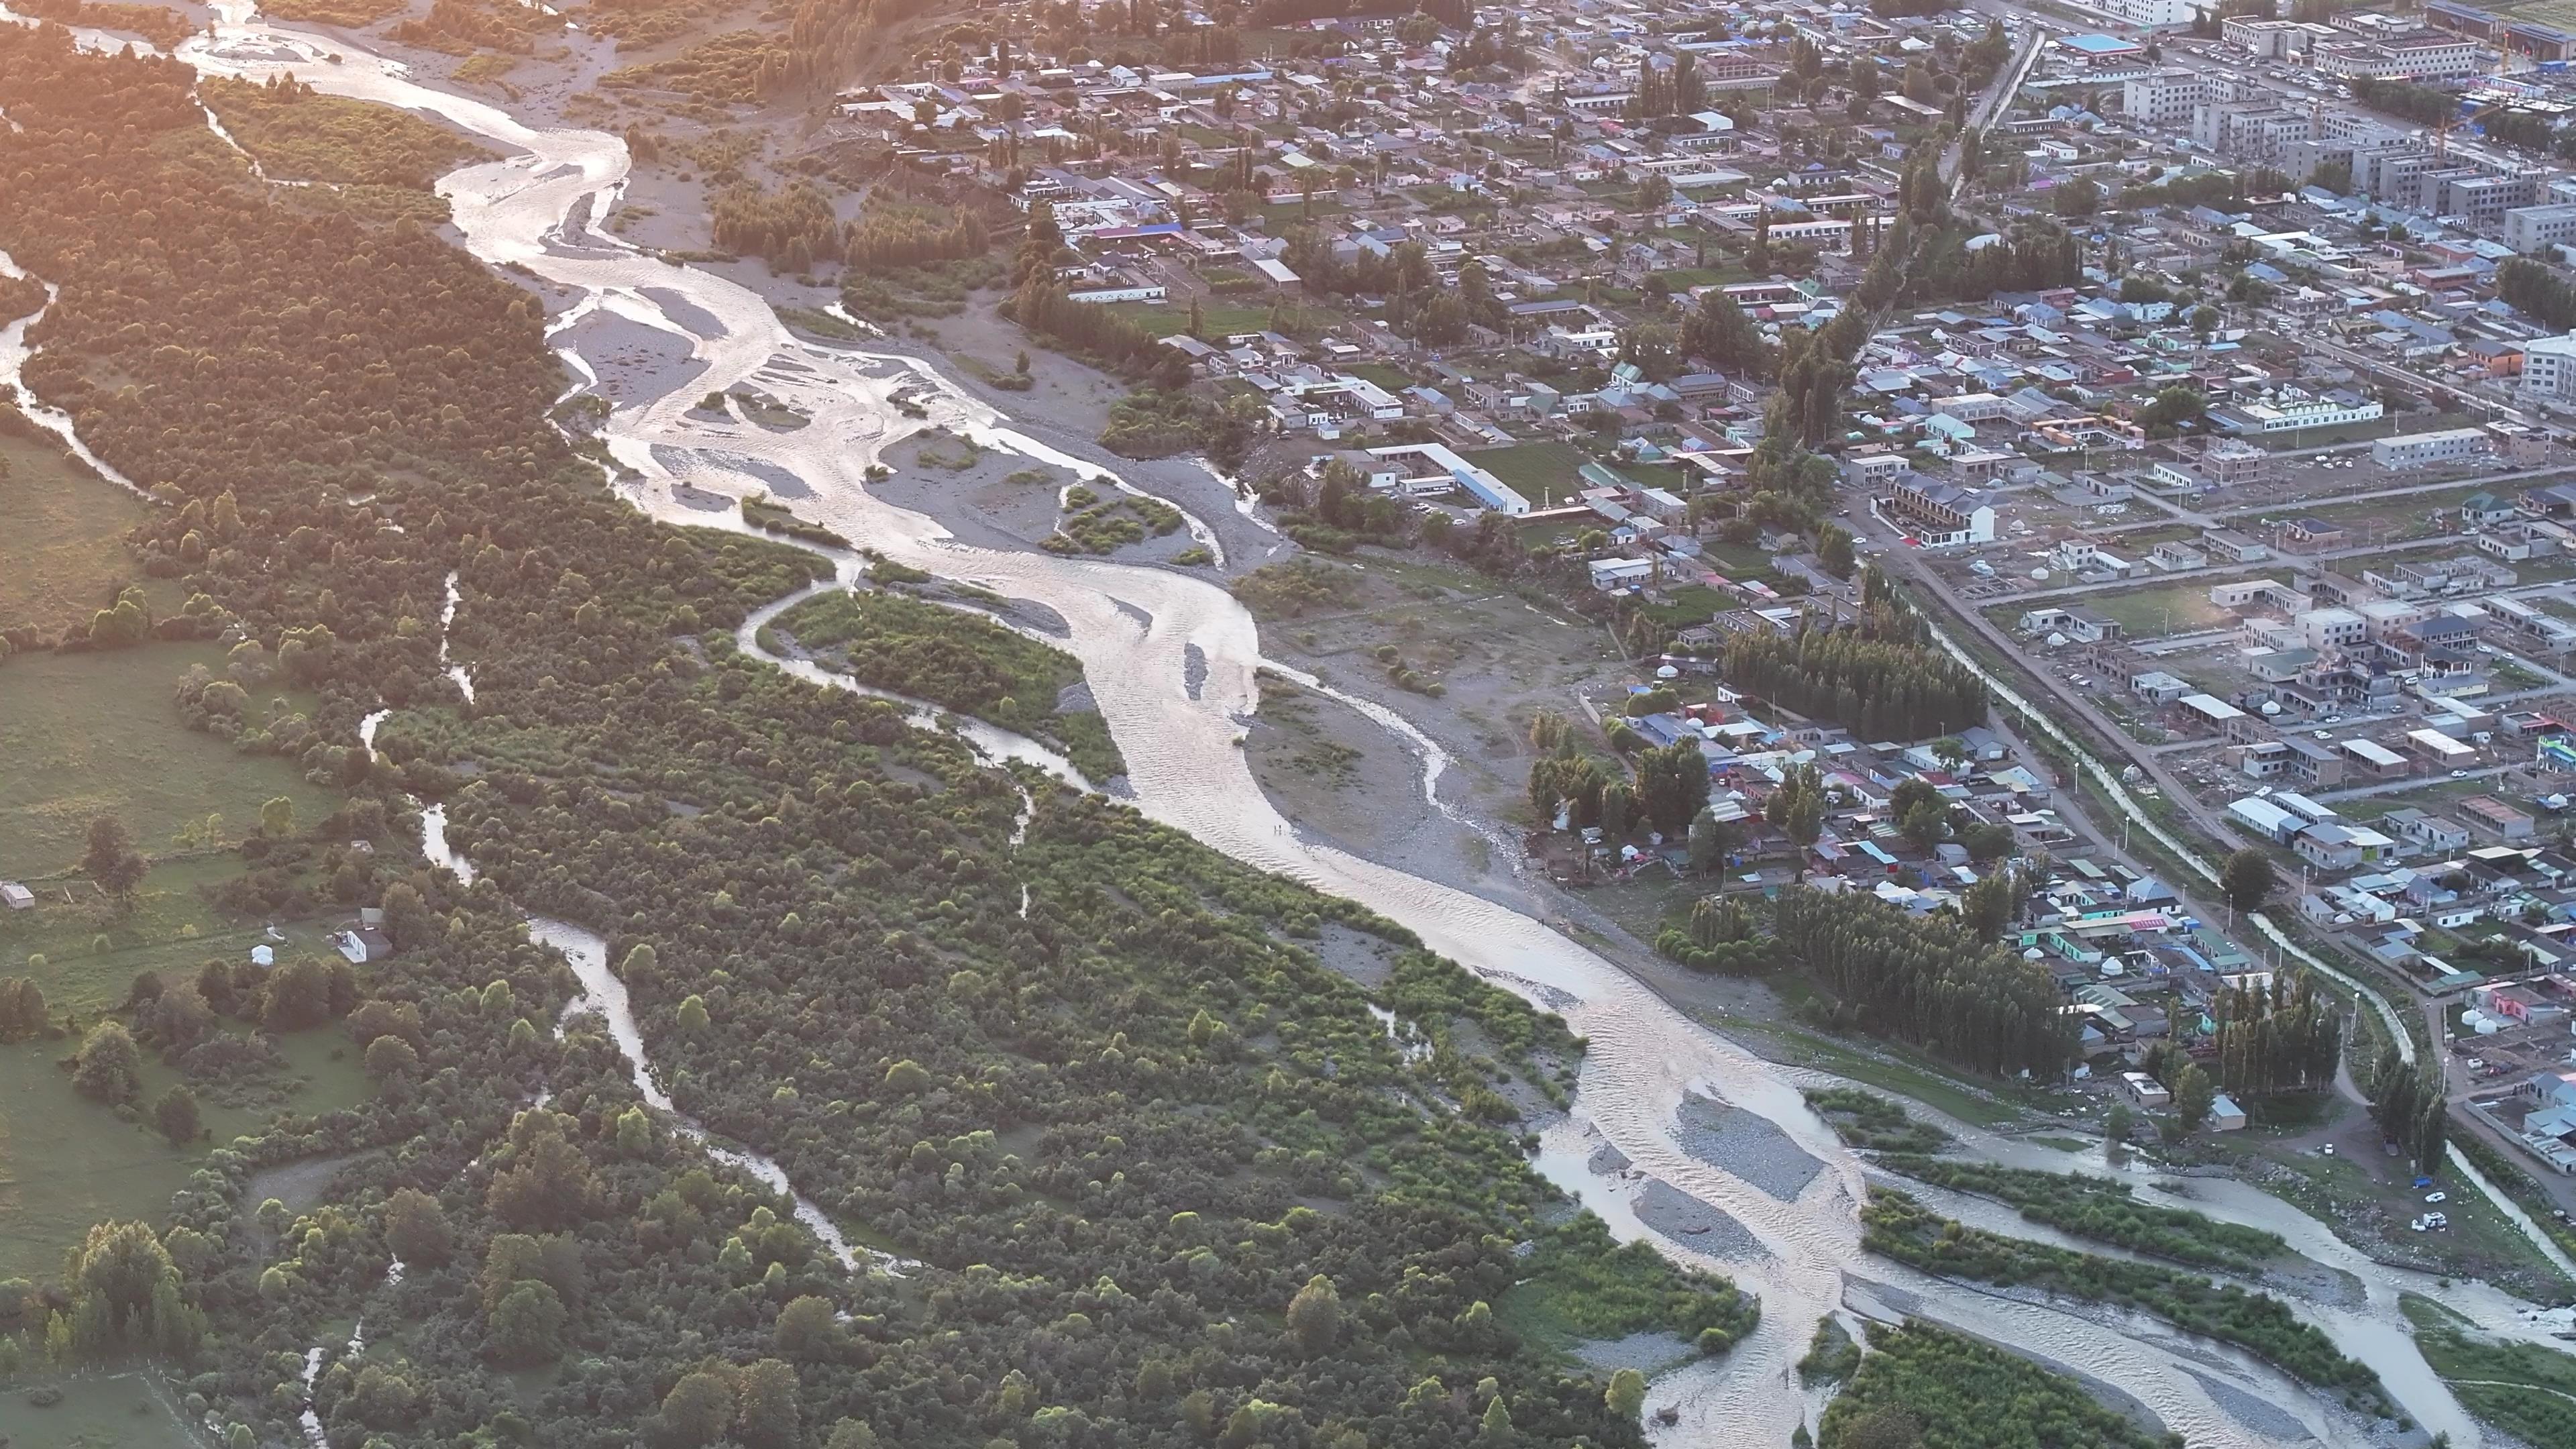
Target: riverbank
[1174, 662]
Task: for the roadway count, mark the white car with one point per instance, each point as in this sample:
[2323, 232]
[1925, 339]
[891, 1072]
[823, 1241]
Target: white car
[2325, 734]
[2437, 1197]
[2328, 1149]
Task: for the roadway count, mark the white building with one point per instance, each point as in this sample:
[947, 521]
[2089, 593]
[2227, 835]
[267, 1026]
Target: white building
[2533, 230]
[2164, 99]
[2549, 369]
[2331, 628]
[2297, 415]
[2147, 14]
[1487, 489]
[2418, 450]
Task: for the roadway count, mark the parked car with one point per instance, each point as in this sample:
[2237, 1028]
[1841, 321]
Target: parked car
[2437, 1197]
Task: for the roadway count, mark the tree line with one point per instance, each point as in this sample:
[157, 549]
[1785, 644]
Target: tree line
[1878, 677]
[1926, 981]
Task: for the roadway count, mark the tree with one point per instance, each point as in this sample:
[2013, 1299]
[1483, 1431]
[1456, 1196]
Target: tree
[175, 1113]
[527, 1328]
[409, 922]
[1834, 551]
[110, 1067]
[111, 859]
[2079, 197]
[126, 1297]
[1990, 905]
[1496, 1426]
[806, 1330]
[2247, 878]
[2192, 1094]
[416, 1228]
[1712, 840]
[304, 992]
[390, 1058]
[698, 1410]
[2171, 406]
[2118, 1123]
[768, 1418]
[1626, 1396]
[1315, 1316]
[852, 1434]
[549, 1183]
[277, 817]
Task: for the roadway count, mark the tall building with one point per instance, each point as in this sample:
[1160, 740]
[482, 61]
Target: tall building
[2549, 370]
[2531, 230]
[2250, 130]
[2163, 98]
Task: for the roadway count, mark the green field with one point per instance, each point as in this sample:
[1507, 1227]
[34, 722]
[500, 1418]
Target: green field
[124, 1412]
[1689, 604]
[2154, 613]
[82, 735]
[1384, 376]
[1217, 320]
[2522, 1388]
[67, 1162]
[1542, 472]
[62, 555]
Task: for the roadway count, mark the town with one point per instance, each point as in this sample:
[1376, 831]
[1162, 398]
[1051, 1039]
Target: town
[2224, 402]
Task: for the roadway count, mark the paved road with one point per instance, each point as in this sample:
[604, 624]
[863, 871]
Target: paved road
[2219, 571]
[2411, 782]
[2484, 480]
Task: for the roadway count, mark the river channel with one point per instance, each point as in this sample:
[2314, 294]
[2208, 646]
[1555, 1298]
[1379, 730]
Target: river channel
[1171, 659]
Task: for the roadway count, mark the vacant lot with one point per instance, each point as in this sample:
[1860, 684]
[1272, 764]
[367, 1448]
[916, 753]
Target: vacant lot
[1543, 473]
[2153, 613]
[62, 555]
[85, 735]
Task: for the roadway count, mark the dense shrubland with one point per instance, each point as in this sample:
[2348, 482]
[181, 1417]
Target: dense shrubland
[1901, 1228]
[957, 659]
[1918, 1384]
[1169, 1179]
[2100, 1209]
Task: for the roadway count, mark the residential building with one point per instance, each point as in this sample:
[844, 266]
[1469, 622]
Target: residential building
[1939, 514]
[2159, 688]
[2422, 55]
[2164, 99]
[2266, 820]
[2421, 450]
[2549, 370]
[2492, 815]
[1610, 575]
[2324, 629]
[2532, 230]
[2329, 846]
